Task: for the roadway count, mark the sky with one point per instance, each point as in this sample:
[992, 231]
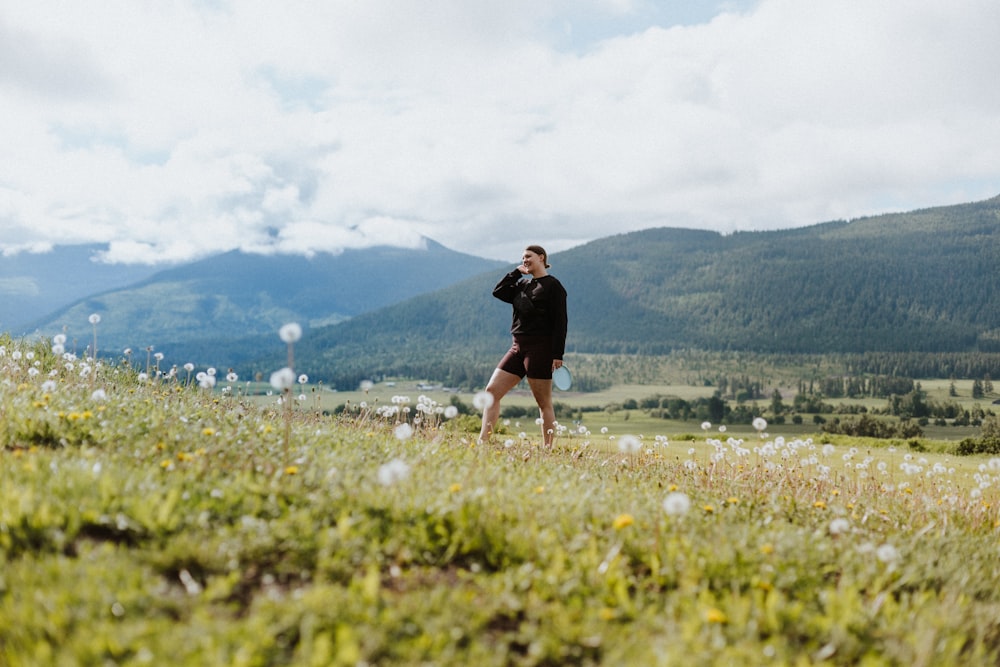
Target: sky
[176, 129]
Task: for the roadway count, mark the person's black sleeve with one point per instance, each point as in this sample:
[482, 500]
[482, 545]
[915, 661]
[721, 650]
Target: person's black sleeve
[507, 287]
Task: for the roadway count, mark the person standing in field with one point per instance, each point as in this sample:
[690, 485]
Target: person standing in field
[538, 329]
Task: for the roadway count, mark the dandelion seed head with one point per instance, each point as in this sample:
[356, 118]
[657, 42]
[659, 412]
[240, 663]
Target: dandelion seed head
[403, 432]
[290, 333]
[283, 379]
[94, 318]
[483, 400]
[759, 424]
[393, 472]
[628, 444]
[887, 553]
[677, 503]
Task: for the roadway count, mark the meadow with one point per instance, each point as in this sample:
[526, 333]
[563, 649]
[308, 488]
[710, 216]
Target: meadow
[150, 519]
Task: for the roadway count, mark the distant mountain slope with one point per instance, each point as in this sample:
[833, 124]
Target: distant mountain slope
[920, 281]
[32, 285]
[201, 309]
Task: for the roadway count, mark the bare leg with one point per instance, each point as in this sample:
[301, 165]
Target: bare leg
[542, 390]
[501, 383]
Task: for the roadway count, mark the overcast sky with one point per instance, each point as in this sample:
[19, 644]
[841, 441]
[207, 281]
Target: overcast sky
[177, 128]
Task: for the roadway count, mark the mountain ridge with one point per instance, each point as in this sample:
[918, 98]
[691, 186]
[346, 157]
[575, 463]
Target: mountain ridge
[922, 281]
[208, 304]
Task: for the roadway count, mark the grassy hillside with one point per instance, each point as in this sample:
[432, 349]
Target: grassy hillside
[148, 522]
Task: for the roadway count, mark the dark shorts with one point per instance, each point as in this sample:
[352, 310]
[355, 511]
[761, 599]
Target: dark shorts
[529, 355]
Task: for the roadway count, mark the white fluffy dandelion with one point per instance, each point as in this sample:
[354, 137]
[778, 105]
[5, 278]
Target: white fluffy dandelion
[393, 472]
[483, 400]
[839, 526]
[403, 432]
[887, 553]
[676, 503]
[290, 333]
[759, 424]
[629, 444]
[283, 379]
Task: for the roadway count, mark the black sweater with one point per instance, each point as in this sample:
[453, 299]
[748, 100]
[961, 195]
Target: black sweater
[539, 307]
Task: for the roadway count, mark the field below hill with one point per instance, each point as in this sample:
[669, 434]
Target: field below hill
[152, 521]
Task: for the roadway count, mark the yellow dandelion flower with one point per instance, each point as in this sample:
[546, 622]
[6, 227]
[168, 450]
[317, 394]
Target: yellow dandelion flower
[39, 404]
[539, 489]
[73, 416]
[835, 492]
[161, 446]
[608, 614]
[184, 456]
[733, 500]
[672, 487]
[767, 549]
[201, 451]
[455, 488]
[623, 521]
[87, 414]
[709, 508]
[820, 504]
[714, 615]
[292, 470]
[908, 490]
[208, 431]
[166, 463]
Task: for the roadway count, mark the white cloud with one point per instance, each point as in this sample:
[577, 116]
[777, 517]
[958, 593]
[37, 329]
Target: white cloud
[179, 129]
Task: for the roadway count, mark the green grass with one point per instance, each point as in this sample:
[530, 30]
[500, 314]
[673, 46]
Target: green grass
[161, 524]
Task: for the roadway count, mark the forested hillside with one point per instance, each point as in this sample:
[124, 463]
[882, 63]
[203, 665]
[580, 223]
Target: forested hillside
[922, 282]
